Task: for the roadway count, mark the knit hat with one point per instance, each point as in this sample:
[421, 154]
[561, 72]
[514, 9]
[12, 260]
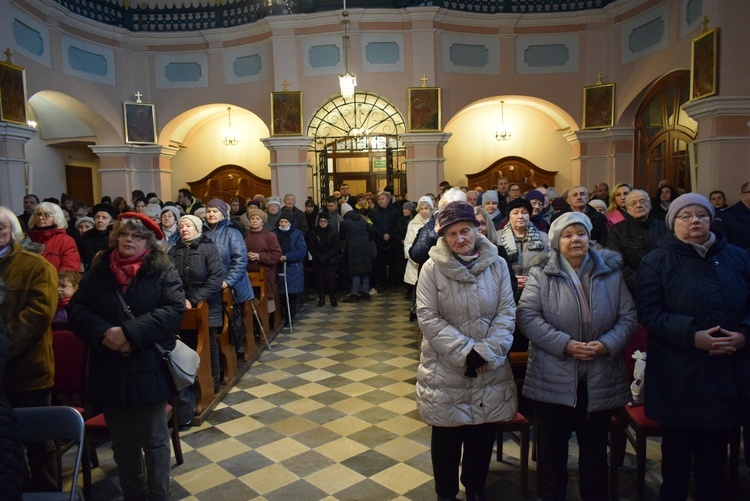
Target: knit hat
[490, 196]
[288, 215]
[345, 207]
[82, 220]
[146, 220]
[686, 200]
[253, 203]
[562, 222]
[534, 195]
[426, 200]
[598, 204]
[221, 205]
[174, 210]
[108, 208]
[196, 221]
[323, 215]
[455, 212]
[410, 206]
[273, 200]
[254, 211]
[153, 211]
[520, 202]
[199, 211]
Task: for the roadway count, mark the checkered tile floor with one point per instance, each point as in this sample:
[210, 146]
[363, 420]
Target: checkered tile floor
[329, 414]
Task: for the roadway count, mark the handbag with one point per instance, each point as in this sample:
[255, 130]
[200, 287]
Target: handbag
[182, 361]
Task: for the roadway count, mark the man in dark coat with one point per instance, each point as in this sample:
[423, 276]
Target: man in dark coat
[97, 238]
[384, 221]
[635, 236]
[299, 216]
[578, 201]
[735, 221]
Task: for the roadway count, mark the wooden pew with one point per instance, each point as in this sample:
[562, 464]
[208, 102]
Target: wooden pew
[197, 319]
[227, 353]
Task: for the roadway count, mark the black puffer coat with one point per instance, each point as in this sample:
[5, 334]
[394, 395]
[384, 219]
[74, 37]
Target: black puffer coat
[355, 233]
[680, 293]
[634, 238]
[323, 244]
[157, 301]
[426, 239]
[12, 462]
[201, 270]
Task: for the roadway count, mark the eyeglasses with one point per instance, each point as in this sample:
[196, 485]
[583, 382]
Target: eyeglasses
[687, 217]
[536, 203]
[136, 238]
[639, 203]
[43, 215]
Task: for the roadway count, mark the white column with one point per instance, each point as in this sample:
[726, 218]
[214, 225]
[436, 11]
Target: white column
[290, 166]
[128, 167]
[424, 162]
[13, 164]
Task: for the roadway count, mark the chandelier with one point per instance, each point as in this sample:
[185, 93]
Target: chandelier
[347, 81]
[230, 136]
[503, 134]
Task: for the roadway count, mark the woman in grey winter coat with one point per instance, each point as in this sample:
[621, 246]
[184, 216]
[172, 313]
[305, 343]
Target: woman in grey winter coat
[466, 312]
[578, 315]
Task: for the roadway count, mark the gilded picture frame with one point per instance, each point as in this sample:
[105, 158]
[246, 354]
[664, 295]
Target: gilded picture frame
[12, 94]
[425, 109]
[703, 67]
[599, 106]
[286, 113]
[140, 122]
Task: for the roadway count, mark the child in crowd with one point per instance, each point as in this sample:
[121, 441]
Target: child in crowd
[67, 285]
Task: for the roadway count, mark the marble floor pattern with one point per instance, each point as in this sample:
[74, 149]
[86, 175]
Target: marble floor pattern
[329, 414]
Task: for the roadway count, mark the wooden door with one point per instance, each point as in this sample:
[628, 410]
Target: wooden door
[80, 184]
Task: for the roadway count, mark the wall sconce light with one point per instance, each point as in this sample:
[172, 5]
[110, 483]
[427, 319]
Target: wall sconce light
[503, 134]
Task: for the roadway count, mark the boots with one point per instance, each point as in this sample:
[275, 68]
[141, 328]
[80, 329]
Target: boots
[321, 301]
[334, 303]
[351, 298]
[366, 296]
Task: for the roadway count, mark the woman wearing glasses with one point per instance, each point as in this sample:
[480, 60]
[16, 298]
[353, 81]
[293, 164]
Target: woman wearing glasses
[694, 299]
[47, 227]
[129, 380]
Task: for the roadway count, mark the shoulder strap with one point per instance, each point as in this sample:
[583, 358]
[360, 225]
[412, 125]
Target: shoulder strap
[129, 314]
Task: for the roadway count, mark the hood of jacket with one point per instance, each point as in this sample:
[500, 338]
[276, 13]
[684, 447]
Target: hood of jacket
[454, 269]
[605, 261]
[672, 243]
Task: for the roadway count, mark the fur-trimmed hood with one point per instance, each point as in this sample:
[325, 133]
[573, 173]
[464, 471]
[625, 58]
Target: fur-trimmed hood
[156, 262]
[450, 266]
[605, 261]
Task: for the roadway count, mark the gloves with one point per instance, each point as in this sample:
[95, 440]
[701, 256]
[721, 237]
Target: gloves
[473, 361]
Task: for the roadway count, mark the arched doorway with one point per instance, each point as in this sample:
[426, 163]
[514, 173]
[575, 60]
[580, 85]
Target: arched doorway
[664, 133]
[357, 142]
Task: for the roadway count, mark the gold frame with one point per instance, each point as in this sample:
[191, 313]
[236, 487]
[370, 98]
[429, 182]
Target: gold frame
[703, 65]
[286, 113]
[13, 94]
[599, 106]
[140, 122]
[425, 105]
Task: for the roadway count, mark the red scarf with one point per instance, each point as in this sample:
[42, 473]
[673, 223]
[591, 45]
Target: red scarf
[125, 268]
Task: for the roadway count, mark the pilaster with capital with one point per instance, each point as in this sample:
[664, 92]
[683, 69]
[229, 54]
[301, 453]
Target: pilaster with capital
[127, 167]
[602, 156]
[290, 165]
[424, 162]
[13, 186]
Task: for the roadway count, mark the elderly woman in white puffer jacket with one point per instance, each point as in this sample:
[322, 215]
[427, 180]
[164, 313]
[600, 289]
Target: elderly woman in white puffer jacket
[465, 385]
[578, 315]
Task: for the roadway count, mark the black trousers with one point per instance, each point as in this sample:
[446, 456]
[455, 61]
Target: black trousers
[325, 282]
[701, 450]
[41, 458]
[556, 423]
[477, 442]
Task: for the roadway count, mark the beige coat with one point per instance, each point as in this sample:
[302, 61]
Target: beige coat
[460, 309]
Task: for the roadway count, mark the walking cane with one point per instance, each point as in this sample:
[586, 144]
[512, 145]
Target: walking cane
[260, 324]
[286, 293]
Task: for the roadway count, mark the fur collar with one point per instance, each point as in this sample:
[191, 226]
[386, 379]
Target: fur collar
[156, 262]
[453, 269]
[605, 261]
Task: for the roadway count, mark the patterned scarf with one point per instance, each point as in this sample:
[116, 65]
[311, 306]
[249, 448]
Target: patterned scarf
[125, 268]
[508, 240]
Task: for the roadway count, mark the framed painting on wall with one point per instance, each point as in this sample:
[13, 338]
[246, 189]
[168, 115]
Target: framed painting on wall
[424, 109]
[599, 106]
[12, 94]
[286, 113]
[703, 65]
[140, 123]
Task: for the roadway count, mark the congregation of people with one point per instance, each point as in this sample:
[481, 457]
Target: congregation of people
[576, 279]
